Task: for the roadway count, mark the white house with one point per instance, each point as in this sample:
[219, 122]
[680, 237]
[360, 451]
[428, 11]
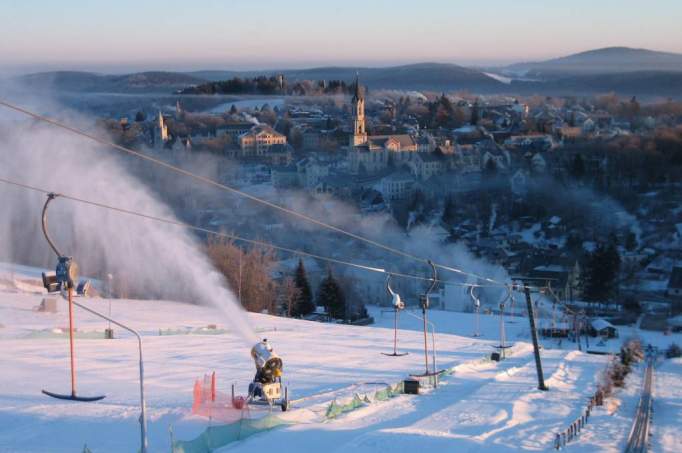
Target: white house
[398, 186]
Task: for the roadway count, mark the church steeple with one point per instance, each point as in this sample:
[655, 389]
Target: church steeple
[358, 103]
[357, 94]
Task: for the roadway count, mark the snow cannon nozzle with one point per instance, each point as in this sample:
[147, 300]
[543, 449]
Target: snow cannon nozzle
[268, 364]
[267, 388]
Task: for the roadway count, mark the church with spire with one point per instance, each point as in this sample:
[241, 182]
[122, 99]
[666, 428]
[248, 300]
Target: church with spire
[359, 136]
[371, 153]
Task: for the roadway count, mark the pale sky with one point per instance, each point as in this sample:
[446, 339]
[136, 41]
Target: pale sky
[125, 35]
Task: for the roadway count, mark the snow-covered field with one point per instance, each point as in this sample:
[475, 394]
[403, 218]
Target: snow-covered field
[667, 428]
[482, 406]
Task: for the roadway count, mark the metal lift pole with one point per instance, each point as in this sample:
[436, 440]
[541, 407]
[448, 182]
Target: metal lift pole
[424, 302]
[65, 277]
[534, 335]
[71, 354]
[395, 331]
[426, 345]
[144, 444]
[397, 306]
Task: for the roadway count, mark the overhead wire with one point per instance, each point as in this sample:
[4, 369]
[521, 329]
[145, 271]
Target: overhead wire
[241, 193]
[236, 237]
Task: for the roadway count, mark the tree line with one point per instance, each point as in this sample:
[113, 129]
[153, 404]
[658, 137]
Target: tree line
[249, 273]
[271, 86]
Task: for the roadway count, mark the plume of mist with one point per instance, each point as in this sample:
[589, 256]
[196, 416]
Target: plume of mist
[597, 210]
[154, 260]
[250, 118]
[397, 94]
[422, 241]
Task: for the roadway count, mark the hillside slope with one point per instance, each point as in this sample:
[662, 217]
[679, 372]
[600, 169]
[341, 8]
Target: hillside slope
[601, 61]
[73, 81]
[483, 405]
[424, 76]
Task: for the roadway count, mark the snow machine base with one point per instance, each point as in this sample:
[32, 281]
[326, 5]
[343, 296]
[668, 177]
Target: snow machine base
[267, 395]
[73, 397]
[282, 403]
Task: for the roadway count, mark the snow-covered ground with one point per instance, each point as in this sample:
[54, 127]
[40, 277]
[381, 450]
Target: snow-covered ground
[482, 406]
[667, 427]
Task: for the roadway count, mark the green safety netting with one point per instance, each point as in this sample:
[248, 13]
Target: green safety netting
[383, 394]
[218, 436]
[335, 408]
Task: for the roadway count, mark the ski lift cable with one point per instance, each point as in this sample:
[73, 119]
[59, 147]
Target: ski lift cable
[239, 238]
[233, 190]
[559, 301]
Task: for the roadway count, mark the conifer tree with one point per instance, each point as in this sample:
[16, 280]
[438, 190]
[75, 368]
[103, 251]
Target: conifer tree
[475, 114]
[578, 167]
[602, 271]
[304, 304]
[332, 298]
[449, 211]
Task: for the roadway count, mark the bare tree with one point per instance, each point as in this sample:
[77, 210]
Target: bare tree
[289, 294]
[248, 273]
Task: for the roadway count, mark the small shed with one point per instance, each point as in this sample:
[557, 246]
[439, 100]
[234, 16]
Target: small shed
[603, 328]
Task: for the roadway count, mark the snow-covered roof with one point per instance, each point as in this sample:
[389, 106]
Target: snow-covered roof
[550, 268]
[589, 246]
[465, 130]
[601, 324]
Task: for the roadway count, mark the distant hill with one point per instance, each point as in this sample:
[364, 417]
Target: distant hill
[639, 83]
[421, 76]
[214, 75]
[153, 81]
[610, 60]
[620, 69]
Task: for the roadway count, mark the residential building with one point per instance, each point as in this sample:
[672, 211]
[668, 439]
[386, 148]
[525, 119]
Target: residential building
[234, 129]
[426, 165]
[371, 153]
[398, 186]
[674, 289]
[311, 171]
[284, 176]
[259, 140]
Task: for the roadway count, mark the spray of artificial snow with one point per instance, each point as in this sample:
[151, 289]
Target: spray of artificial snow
[155, 260]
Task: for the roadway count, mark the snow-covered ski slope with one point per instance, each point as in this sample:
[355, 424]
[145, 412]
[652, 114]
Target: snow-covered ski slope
[667, 421]
[482, 406]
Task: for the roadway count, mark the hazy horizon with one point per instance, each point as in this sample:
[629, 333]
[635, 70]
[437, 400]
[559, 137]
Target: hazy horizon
[174, 35]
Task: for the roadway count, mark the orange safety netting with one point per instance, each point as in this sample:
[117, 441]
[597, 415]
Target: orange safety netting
[209, 402]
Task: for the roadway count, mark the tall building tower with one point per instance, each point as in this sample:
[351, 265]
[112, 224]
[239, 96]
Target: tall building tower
[358, 103]
[163, 129]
